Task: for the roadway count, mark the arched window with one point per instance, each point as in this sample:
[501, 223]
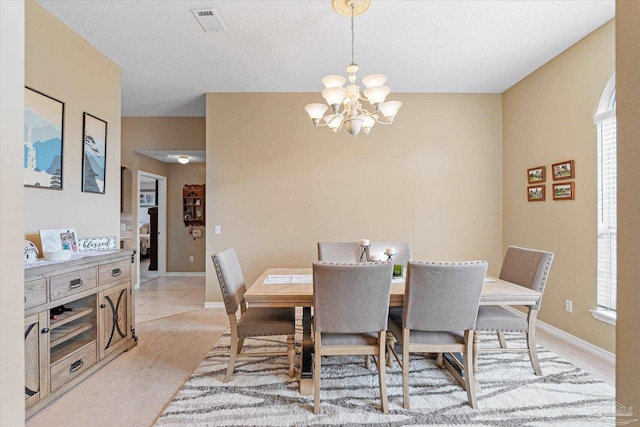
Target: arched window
[605, 121]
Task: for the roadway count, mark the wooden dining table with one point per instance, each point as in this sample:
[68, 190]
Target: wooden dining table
[288, 294]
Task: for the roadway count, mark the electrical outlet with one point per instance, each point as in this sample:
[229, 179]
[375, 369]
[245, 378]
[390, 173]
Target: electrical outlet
[217, 229]
[568, 305]
[191, 258]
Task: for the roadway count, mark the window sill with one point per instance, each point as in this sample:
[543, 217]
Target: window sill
[605, 316]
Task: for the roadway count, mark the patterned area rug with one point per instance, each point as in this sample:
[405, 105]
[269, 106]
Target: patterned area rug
[262, 394]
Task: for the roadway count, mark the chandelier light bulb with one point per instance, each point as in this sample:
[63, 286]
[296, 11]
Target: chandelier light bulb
[367, 123]
[333, 81]
[374, 80]
[183, 159]
[334, 95]
[316, 111]
[390, 108]
[377, 94]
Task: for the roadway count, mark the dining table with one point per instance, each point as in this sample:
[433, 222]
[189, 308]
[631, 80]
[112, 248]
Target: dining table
[293, 287]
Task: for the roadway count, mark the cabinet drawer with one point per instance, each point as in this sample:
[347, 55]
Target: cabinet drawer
[73, 365]
[114, 272]
[67, 284]
[35, 293]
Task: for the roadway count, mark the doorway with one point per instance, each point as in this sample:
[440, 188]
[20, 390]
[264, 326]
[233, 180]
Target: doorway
[151, 228]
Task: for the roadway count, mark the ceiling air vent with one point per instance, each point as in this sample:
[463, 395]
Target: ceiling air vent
[209, 20]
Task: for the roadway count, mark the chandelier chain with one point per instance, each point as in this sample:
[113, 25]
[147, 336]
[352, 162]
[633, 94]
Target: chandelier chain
[353, 36]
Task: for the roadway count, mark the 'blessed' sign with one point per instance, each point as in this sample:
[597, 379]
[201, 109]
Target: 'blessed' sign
[97, 243]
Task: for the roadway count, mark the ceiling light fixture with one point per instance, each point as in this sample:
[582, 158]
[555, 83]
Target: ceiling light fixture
[183, 159]
[353, 116]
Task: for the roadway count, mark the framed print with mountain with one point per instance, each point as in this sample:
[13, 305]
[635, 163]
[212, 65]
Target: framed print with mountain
[94, 154]
[43, 135]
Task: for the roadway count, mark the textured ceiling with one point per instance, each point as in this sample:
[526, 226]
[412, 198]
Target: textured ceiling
[168, 62]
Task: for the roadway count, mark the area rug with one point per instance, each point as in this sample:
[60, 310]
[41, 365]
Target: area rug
[262, 394]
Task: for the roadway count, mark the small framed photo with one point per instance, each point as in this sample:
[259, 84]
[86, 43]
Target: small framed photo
[536, 175]
[535, 193]
[565, 191]
[563, 170]
[59, 240]
[94, 154]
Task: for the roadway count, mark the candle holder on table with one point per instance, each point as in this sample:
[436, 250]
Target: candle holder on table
[364, 255]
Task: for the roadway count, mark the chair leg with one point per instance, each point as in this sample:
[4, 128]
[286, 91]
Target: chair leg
[390, 344]
[469, 376]
[476, 350]
[291, 354]
[503, 342]
[533, 351]
[240, 344]
[440, 360]
[382, 372]
[233, 352]
[316, 373]
[405, 368]
[367, 362]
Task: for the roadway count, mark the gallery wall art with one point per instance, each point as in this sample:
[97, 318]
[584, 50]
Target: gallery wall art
[94, 154]
[43, 136]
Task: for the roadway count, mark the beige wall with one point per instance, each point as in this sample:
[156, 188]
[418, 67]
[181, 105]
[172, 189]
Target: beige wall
[165, 133]
[63, 65]
[11, 207]
[548, 118]
[277, 185]
[628, 106]
[181, 244]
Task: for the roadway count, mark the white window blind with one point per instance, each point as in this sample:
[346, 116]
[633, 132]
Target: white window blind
[607, 210]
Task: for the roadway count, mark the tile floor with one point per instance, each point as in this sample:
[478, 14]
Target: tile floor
[167, 296]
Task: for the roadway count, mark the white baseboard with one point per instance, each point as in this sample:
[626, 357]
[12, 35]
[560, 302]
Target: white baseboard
[559, 333]
[186, 274]
[213, 304]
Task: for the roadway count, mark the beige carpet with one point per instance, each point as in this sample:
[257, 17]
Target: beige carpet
[133, 389]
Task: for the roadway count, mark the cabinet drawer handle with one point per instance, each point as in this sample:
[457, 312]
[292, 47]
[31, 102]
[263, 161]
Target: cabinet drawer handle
[76, 365]
[103, 305]
[116, 272]
[45, 330]
[75, 283]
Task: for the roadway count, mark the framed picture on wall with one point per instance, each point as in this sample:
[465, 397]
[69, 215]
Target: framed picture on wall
[563, 170]
[536, 175]
[43, 136]
[535, 193]
[94, 154]
[565, 191]
[147, 198]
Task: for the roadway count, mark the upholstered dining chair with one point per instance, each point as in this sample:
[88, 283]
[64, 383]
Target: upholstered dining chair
[524, 267]
[439, 315]
[344, 252]
[254, 321]
[351, 305]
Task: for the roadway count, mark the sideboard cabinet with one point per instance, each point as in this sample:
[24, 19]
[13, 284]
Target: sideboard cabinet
[97, 325]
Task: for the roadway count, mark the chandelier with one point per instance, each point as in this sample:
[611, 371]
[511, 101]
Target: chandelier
[353, 116]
